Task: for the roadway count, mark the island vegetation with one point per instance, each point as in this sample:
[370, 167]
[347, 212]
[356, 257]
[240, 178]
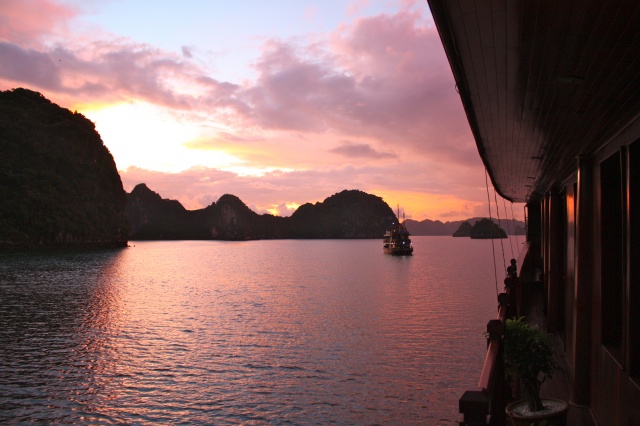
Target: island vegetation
[483, 228]
[59, 185]
[347, 214]
[464, 230]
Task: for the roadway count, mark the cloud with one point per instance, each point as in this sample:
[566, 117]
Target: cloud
[360, 150]
[377, 94]
[120, 72]
[27, 22]
[283, 209]
[384, 78]
[195, 188]
[29, 66]
[186, 52]
[115, 70]
[454, 214]
[355, 7]
[418, 187]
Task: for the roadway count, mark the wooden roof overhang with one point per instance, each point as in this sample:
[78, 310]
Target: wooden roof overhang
[542, 82]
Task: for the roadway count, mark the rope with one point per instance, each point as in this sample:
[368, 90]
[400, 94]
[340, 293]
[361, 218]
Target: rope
[506, 216]
[514, 225]
[495, 198]
[495, 268]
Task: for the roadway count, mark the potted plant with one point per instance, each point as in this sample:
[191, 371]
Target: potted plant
[528, 357]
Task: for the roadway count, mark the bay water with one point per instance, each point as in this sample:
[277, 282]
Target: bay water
[254, 332]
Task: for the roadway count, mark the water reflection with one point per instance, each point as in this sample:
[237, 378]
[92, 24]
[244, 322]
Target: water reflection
[56, 322]
[233, 333]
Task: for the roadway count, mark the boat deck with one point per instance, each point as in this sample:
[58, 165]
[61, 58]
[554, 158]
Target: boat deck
[560, 386]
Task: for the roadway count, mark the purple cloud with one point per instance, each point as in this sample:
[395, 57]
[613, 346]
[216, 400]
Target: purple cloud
[186, 52]
[29, 66]
[360, 150]
[384, 80]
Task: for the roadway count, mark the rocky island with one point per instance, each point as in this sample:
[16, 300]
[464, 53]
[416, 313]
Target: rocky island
[347, 214]
[464, 230]
[484, 228]
[436, 227]
[59, 185]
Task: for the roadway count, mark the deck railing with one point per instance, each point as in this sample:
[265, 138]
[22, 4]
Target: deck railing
[491, 396]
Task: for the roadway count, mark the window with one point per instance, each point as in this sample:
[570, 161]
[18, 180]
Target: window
[612, 244]
[634, 259]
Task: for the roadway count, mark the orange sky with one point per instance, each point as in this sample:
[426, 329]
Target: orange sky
[279, 106]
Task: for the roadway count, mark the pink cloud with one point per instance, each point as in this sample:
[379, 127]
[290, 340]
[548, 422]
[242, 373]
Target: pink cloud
[385, 78]
[360, 150]
[29, 66]
[355, 7]
[187, 52]
[26, 22]
[105, 70]
[199, 187]
[374, 105]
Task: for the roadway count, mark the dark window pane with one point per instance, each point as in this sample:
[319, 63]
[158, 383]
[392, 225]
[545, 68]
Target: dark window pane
[611, 237]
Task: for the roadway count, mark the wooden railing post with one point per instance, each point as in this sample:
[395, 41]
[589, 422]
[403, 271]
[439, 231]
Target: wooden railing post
[495, 332]
[512, 287]
[474, 405]
[507, 304]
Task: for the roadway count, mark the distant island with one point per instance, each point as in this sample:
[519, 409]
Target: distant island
[436, 227]
[484, 228]
[59, 185]
[464, 230]
[347, 214]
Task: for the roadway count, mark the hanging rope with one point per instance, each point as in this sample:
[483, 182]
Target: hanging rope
[506, 218]
[495, 269]
[514, 225]
[495, 198]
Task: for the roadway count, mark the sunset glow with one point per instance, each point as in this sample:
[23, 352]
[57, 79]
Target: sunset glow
[279, 106]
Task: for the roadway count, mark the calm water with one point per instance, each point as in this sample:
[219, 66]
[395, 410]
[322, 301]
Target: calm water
[259, 332]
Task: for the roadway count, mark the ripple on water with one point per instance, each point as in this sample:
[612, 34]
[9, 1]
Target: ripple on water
[301, 332]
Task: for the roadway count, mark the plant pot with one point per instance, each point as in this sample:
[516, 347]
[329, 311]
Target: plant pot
[555, 413]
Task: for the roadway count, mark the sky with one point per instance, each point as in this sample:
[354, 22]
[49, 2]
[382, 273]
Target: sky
[279, 103]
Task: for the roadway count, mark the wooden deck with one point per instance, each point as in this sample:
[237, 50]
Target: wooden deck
[560, 386]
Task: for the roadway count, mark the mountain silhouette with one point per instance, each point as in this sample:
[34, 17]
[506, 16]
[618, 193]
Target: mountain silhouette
[59, 185]
[347, 214]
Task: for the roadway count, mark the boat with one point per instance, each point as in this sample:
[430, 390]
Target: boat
[397, 242]
[550, 91]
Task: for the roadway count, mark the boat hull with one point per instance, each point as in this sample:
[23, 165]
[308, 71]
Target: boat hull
[399, 251]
